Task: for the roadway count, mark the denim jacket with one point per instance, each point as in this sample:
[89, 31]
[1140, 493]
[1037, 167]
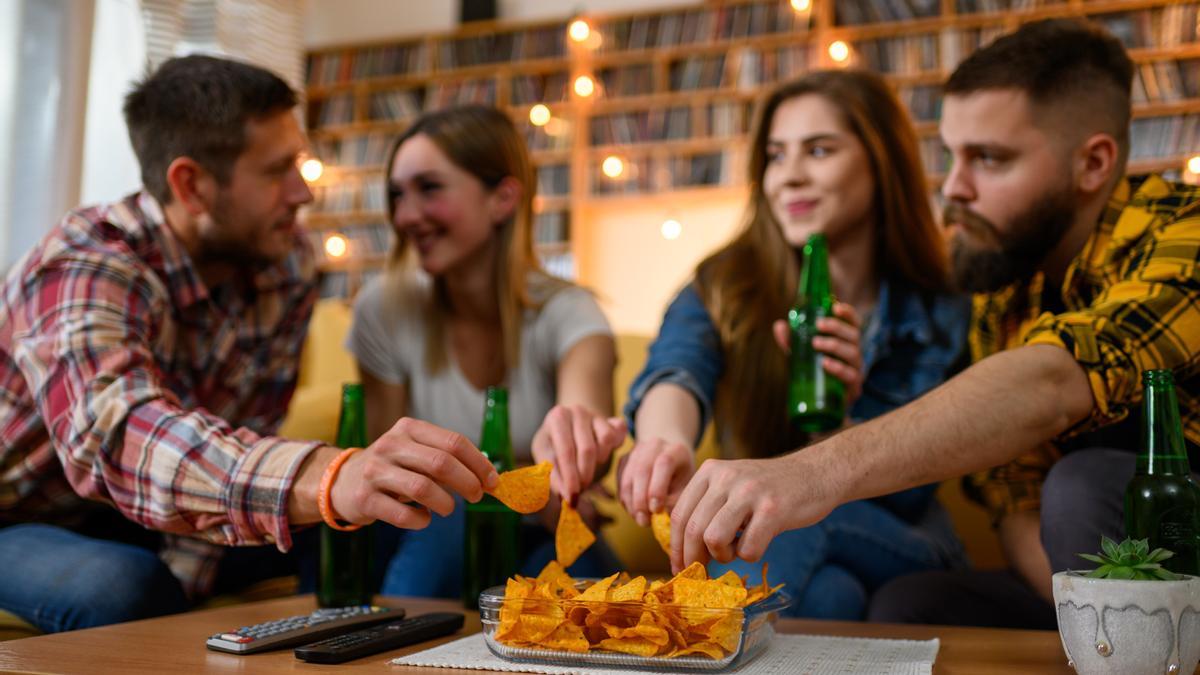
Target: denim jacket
[911, 343]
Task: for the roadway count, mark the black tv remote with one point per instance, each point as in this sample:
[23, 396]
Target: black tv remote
[381, 638]
[300, 629]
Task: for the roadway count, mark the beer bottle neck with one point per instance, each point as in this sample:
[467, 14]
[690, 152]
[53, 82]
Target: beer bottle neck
[814, 289]
[1163, 450]
[352, 422]
[495, 441]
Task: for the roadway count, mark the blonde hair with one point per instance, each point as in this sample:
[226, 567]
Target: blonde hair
[750, 283]
[483, 142]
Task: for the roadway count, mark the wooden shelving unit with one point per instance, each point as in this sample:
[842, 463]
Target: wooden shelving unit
[675, 94]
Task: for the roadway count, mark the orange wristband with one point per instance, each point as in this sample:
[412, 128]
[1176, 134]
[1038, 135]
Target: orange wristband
[324, 504]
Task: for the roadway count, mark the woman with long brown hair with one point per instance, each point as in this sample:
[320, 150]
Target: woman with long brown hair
[466, 305]
[832, 153]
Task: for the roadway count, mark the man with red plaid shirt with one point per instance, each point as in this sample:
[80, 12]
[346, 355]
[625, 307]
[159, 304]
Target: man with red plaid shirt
[148, 351]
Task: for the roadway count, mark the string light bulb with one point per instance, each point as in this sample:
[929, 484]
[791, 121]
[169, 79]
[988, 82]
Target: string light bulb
[539, 115]
[579, 30]
[612, 166]
[311, 169]
[839, 51]
[801, 5]
[1193, 164]
[336, 245]
[671, 229]
[584, 86]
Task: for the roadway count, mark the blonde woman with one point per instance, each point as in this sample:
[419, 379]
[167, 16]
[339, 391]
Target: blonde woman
[466, 305]
[833, 153]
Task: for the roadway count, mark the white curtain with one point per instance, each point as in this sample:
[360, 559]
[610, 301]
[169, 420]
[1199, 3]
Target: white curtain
[44, 46]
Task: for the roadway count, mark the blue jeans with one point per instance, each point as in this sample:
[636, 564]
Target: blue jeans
[831, 568]
[59, 580]
[429, 562]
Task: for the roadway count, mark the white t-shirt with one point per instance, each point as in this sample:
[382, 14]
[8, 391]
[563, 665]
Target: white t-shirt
[388, 339]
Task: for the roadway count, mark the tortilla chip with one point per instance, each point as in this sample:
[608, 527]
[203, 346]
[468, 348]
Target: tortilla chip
[635, 646]
[597, 592]
[660, 525]
[567, 637]
[710, 594]
[525, 490]
[629, 592]
[510, 611]
[572, 537]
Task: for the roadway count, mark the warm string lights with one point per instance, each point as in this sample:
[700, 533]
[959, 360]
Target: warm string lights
[539, 115]
[311, 169]
[613, 166]
[839, 51]
[584, 86]
[336, 246]
[579, 31]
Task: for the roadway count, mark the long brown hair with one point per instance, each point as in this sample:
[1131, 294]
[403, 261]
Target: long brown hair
[750, 283]
[483, 142]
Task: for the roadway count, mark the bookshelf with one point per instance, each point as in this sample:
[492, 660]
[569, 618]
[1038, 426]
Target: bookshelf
[674, 97]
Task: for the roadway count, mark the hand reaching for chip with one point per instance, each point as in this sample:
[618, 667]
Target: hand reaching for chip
[579, 442]
[413, 469]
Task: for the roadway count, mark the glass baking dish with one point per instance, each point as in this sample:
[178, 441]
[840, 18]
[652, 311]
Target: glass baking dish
[757, 627]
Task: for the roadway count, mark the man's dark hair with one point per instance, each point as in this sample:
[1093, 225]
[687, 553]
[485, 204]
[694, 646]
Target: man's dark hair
[198, 107]
[1072, 68]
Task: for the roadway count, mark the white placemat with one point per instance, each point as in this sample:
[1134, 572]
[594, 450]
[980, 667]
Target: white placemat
[808, 654]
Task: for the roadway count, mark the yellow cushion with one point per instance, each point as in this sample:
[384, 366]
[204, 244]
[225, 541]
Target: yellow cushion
[13, 627]
[324, 366]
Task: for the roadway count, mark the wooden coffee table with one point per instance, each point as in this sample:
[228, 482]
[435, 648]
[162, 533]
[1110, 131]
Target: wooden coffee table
[175, 644]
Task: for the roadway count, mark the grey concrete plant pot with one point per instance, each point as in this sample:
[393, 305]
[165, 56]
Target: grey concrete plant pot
[1125, 627]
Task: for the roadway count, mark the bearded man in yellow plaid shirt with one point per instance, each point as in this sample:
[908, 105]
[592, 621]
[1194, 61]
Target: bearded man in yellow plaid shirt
[1084, 278]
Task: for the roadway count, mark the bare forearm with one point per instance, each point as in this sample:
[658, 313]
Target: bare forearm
[585, 375]
[669, 412]
[986, 416]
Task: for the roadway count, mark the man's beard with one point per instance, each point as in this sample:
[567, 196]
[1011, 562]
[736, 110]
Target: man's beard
[1034, 233]
[226, 244]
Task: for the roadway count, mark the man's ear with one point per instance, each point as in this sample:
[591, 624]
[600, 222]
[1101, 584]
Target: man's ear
[1096, 162]
[191, 185]
[505, 198]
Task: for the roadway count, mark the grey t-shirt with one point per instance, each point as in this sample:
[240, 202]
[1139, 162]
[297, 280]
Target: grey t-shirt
[388, 339]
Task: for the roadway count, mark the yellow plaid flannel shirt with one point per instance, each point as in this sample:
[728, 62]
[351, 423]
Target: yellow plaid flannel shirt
[1132, 299]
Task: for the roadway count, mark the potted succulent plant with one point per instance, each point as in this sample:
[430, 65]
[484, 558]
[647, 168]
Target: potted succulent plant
[1130, 615]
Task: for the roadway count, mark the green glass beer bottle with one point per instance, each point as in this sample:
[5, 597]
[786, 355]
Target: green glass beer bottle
[1162, 502]
[492, 529]
[816, 399]
[344, 575]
